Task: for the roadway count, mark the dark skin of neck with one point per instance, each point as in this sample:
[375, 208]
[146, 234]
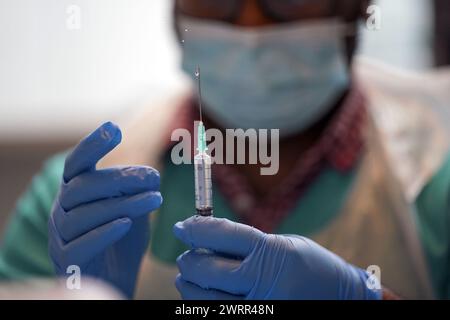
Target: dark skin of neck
[291, 148]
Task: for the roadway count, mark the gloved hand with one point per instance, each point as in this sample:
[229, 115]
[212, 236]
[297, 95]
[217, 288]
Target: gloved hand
[99, 219]
[244, 263]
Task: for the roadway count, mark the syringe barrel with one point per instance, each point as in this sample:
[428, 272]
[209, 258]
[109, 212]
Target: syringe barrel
[203, 184]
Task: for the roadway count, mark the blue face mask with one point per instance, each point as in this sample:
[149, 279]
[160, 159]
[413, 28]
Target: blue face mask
[279, 77]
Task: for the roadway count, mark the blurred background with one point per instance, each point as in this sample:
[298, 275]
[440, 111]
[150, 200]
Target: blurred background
[62, 76]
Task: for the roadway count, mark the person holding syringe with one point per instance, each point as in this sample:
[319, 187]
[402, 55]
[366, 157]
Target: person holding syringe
[335, 207]
[202, 165]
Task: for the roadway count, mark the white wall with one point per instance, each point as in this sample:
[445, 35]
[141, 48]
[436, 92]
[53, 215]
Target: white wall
[56, 82]
[405, 38]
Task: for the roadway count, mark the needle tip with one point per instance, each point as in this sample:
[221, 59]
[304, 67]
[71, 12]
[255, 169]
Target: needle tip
[197, 74]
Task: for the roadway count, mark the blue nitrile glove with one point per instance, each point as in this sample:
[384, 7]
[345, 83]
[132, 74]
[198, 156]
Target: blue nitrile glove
[99, 219]
[245, 263]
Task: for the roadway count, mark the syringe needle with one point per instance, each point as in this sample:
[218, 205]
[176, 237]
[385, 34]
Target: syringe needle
[202, 164]
[198, 75]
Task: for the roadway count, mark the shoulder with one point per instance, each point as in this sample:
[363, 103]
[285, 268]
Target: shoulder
[410, 110]
[24, 247]
[53, 167]
[433, 221]
[437, 190]
[52, 171]
[379, 76]
[43, 188]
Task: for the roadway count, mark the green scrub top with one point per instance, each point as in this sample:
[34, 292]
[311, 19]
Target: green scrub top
[24, 250]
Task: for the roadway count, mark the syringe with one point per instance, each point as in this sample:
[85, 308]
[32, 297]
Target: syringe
[202, 165]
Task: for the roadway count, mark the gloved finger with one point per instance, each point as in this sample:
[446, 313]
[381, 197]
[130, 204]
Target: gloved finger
[108, 183]
[91, 149]
[189, 291]
[210, 271]
[83, 249]
[92, 215]
[218, 234]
